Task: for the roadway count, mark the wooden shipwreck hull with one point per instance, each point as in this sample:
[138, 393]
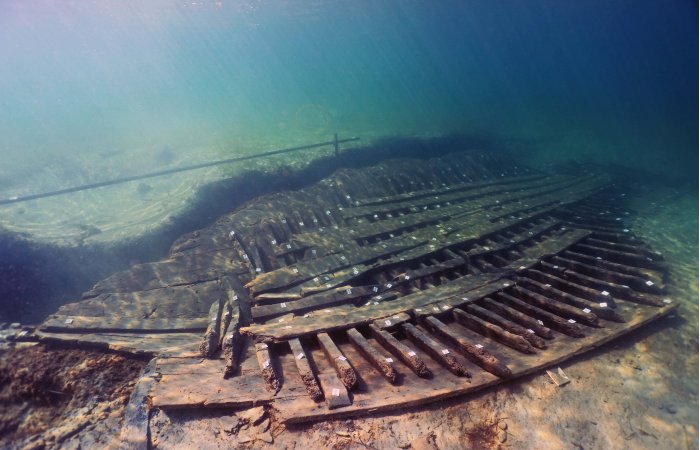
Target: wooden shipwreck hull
[376, 288]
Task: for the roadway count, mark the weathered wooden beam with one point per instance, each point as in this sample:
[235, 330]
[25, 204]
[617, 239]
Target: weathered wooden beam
[604, 311]
[335, 297]
[383, 363]
[506, 324]
[637, 272]
[493, 331]
[334, 391]
[81, 324]
[210, 340]
[305, 371]
[269, 374]
[435, 349]
[572, 287]
[342, 367]
[630, 259]
[516, 316]
[561, 309]
[134, 434]
[475, 352]
[568, 327]
[402, 351]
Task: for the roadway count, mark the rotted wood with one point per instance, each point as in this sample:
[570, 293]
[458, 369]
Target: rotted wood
[474, 352]
[342, 367]
[492, 330]
[305, 371]
[401, 351]
[604, 312]
[523, 319]
[435, 349]
[569, 327]
[506, 324]
[267, 367]
[210, 340]
[383, 363]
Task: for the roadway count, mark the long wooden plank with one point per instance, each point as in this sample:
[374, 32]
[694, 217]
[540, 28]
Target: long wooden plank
[80, 324]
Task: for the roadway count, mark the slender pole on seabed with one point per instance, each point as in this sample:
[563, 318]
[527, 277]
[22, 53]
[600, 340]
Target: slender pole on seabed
[335, 143]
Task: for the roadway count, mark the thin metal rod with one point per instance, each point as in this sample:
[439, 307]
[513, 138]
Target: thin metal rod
[161, 173]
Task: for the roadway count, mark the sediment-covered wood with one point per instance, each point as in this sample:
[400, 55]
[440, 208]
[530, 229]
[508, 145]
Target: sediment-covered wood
[383, 363]
[401, 351]
[559, 308]
[435, 349]
[506, 324]
[233, 341]
[568, 327]
[342, 367]
[305, 371]
[475, 353]
[210, 340]
[604, 311]
[267, 367]
[493, 331]
[530, 323]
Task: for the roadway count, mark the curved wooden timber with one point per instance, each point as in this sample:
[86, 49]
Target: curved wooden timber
[382, 287]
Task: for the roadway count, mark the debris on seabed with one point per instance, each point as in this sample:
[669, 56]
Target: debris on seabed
[559, 377]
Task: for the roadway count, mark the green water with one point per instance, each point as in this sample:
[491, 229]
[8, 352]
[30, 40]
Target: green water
[92, 85]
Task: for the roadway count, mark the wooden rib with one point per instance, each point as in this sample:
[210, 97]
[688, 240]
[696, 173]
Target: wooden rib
[618, 289]
[517, 316]
[611, 266]
[435, 349]
[335, 393]
[342, 367]
[627, 248]
[305, 371]
[571, 287]
[267, 367]
[558, 308]
[506, 324]
[402, 351]
[493, 331]
[551, 320]
[478, 355]
[381, 362]
[210, 340]
[604, 312]
[630, 259]
[635, 282]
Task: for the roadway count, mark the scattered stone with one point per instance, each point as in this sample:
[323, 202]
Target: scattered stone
[244, 438]
[264, 425]
[342, 433]
[252, 415]
[671, 409]
[502, 436]
[231, 424]
[502, 425]
[425, 442]
[265, 437]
